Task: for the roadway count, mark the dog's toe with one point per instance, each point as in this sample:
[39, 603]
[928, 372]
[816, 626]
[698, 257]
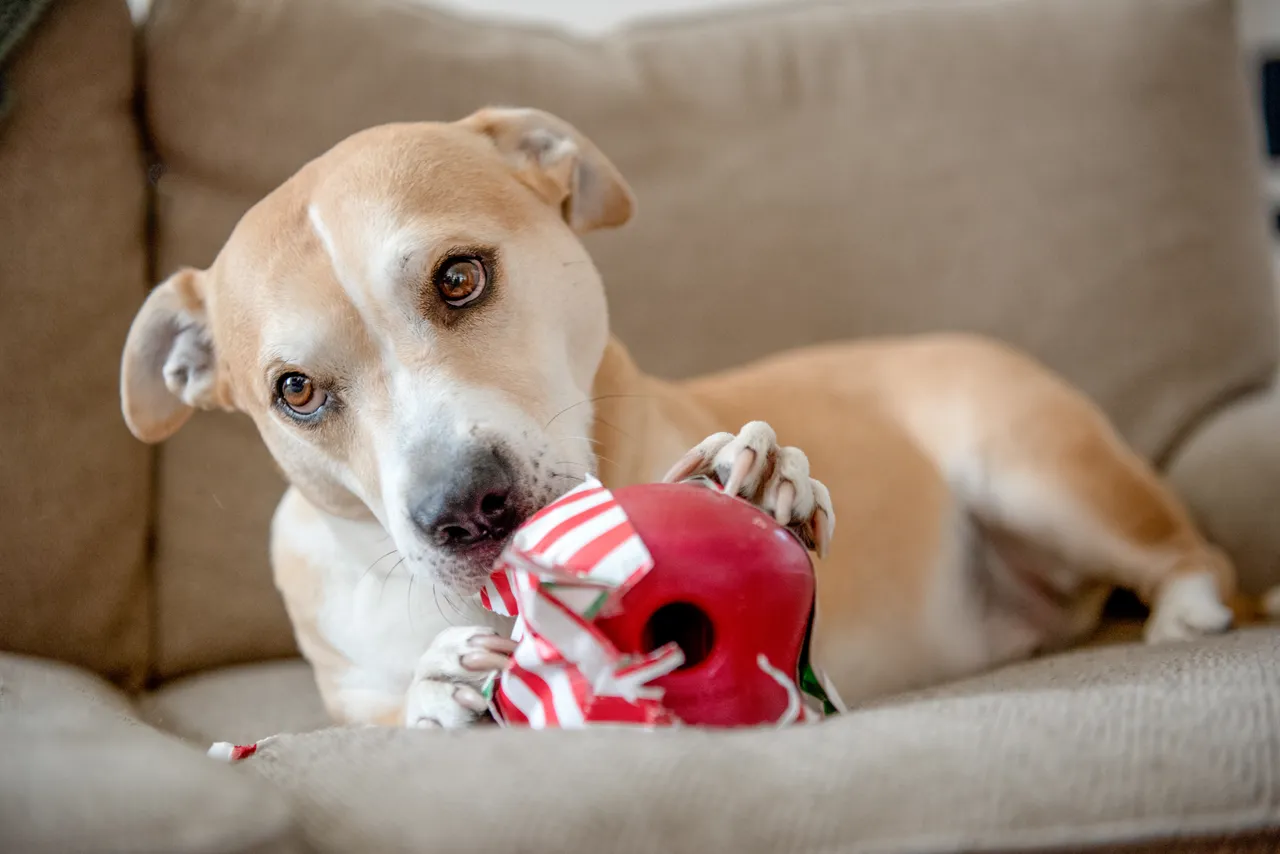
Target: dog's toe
[464, 654]
[431, 704]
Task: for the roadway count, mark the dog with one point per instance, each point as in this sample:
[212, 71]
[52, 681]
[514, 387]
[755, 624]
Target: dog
[423, 343]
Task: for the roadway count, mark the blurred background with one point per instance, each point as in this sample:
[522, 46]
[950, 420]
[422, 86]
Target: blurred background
[1258, 20]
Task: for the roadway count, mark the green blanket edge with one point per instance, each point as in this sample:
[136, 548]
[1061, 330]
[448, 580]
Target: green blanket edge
[17, 17]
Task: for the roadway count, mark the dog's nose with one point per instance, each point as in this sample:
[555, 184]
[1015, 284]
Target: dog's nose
[472, 508]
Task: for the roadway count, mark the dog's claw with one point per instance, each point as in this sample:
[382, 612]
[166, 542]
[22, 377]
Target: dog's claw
[494, 643]
[824, 518]
[738, 474]
[821, 533]
[786, 498]
[470, 698]
[445, 687]
[684, 467]
[753, 466]
[484, 662]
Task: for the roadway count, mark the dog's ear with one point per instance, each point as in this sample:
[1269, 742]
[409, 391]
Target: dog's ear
[169, 366]
[559, 164]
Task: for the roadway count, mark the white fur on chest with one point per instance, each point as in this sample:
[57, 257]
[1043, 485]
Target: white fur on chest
[372, 611]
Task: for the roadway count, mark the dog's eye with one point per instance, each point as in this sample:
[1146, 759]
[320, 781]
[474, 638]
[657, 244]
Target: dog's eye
[461, 280]
[297, 392]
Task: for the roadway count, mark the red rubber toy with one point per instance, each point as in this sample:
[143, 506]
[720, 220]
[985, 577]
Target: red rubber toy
[728, 585]
[733, 589]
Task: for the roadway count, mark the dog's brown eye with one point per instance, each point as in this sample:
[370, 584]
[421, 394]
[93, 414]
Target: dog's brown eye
[461, 280]
[298, 393]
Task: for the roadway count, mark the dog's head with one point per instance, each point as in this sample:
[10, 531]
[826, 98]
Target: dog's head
[412, 323]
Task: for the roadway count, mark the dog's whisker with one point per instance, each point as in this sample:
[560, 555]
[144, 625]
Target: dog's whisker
[457, 607]
[615, 427]
[409, 601]
[376, 562]
[588, 466]
[596, 399]
[383, 588]
[584, 439]
[435, 594]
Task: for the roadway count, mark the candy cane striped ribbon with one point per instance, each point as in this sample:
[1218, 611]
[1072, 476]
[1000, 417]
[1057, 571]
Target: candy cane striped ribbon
[568, 565]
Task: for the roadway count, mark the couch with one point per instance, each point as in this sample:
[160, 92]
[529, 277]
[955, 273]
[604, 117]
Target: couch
[1078, 177]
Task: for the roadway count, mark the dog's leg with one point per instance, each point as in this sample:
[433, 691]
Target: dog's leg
[1062, 481]
[445, 688]
[752, 465]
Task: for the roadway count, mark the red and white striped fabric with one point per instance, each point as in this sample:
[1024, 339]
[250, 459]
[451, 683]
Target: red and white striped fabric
[228, 752]
[570, 563]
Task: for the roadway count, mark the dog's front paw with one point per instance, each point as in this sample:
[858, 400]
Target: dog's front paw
[1187, 607]
[753, 466]
[445, 688]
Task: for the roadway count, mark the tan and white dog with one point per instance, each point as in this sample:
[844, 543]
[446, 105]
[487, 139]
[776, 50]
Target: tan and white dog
[423, 343]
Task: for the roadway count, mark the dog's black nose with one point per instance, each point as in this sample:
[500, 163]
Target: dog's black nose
[473, 507]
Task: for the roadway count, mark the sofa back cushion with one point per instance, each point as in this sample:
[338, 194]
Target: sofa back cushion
[74, 485]
[1077, 177]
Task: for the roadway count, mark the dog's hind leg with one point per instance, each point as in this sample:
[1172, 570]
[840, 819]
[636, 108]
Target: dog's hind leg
[1056, 479]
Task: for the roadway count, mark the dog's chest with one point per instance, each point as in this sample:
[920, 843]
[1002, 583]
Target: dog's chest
[382, 622]
[371, 611]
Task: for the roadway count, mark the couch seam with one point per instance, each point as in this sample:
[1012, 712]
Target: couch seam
[149, 227]
[1206, 412]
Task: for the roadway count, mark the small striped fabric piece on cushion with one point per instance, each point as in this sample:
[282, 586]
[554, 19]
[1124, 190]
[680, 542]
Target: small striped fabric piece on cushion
[568, 564]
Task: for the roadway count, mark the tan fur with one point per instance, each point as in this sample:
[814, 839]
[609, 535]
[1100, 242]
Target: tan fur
[985, 507]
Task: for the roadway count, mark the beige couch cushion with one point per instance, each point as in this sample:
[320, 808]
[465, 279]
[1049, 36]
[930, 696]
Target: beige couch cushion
[239, 704]
[80, 773]
[1076, 177]
[74, 485]
[1092, 748]
[1229, 474]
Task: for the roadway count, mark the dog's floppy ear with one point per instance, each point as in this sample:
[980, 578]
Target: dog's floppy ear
[169, 366]
[559, 164]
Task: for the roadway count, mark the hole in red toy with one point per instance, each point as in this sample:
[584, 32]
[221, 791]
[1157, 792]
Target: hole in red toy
[684, 624]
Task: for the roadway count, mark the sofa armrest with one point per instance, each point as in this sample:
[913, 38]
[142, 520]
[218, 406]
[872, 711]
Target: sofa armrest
[81, 773]
[1228, 473]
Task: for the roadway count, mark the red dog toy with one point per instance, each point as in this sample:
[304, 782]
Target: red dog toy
[657, 605]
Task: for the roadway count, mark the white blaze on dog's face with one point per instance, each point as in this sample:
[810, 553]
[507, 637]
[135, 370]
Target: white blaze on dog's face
[412, 323]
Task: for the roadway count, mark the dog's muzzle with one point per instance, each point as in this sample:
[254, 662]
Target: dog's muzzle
[474, 507]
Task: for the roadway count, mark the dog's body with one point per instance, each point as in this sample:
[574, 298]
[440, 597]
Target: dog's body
[423, 343]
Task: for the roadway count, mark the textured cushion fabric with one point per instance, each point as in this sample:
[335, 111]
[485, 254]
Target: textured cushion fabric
[239, 704]
[216, 603]
[1229, 473]
[804, 172]
[81, 774]
[74, 485]
[1091, 748]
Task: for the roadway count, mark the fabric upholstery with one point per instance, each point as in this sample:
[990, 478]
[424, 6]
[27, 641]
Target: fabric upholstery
[804, 172]
[74, 485]
[1229, 473]
[239, 704]
[1093, 748]
[215, 600]
[81, 774]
